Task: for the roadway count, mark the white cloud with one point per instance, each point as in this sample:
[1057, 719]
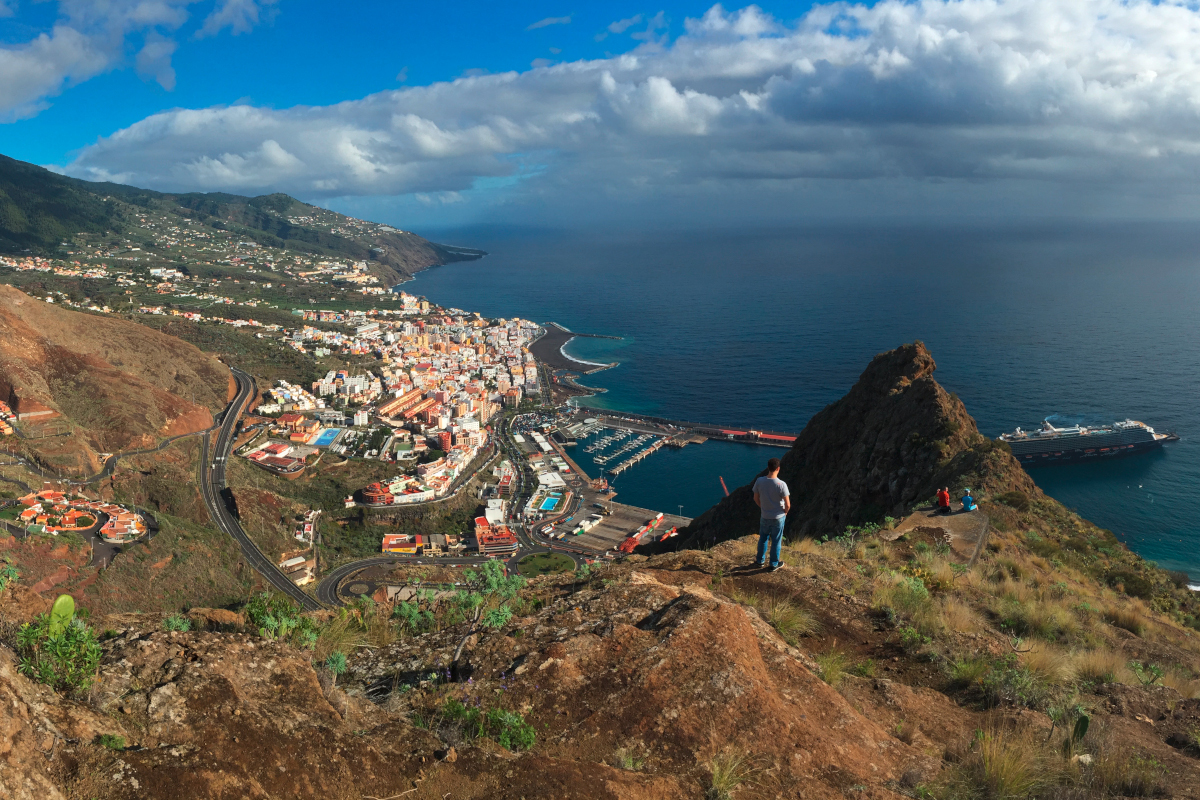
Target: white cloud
[90, 37]
[974, 93]
[240, 16]
[154, 60]
[543, 23]
[620, 26]
[40, 68]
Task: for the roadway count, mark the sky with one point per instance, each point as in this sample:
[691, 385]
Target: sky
[679, 114]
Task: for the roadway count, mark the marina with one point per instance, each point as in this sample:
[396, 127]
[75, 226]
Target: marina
[626, 448]
[629, 462]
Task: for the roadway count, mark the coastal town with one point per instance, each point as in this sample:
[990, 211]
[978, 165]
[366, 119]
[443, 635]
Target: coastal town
[444, 400]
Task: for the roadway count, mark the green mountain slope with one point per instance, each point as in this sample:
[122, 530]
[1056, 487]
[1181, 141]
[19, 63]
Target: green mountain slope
[40, 210]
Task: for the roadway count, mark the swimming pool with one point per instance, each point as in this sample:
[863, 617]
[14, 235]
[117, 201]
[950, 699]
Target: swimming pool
[326, 438]
[548, 504]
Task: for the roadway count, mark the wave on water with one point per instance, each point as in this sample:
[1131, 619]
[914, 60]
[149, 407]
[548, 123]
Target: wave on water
[1194, 587]
[565, 355]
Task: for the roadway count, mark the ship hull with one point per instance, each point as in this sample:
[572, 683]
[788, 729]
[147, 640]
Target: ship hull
[1074, 455]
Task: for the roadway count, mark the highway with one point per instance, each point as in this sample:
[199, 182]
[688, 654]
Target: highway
[212, 480]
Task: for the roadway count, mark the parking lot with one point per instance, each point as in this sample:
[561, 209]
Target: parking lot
[614, 528]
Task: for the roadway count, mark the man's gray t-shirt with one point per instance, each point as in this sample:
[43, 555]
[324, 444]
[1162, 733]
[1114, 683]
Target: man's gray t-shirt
[771, 492]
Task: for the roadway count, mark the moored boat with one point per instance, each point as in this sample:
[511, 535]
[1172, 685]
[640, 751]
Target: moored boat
[1051, 445]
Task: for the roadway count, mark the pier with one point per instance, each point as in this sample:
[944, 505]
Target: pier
[681, 433]
[629, 462]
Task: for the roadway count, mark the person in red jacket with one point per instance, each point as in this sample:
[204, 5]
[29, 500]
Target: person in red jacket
[943, 500]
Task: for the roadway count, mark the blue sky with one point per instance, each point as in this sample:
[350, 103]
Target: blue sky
[312, 52]
[428, 114]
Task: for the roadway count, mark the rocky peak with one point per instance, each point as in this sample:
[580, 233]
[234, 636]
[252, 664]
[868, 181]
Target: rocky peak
[890, 443]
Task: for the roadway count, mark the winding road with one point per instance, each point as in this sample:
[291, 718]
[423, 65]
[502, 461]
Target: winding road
[110, 463]
[213, 458]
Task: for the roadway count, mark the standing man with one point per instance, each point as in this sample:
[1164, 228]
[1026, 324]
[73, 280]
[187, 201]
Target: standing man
[772, 496]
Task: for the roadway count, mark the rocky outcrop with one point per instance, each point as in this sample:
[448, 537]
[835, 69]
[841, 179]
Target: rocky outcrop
[36, 728]
[889, 444]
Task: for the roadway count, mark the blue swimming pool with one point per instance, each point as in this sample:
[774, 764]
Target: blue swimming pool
[326, 438]
[548, 504]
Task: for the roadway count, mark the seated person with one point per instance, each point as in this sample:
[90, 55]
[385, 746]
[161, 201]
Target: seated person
[943, 501]
[968, 501]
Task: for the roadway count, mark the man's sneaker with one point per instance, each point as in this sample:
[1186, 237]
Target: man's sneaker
[776, 568]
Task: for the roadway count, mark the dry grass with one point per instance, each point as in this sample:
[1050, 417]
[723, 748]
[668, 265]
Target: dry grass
[1128, 616]
[960, 617]
[380, 631]
[745, 597]
[1006, 764]
[1101, 665]
[967, 672]
[807, 546]
[343, 634]
[1117, 772]
[901, 595]
[729, 771]
[943, 574]
[1182, 682]
[1016, 591]
[832, 667]
[1050, 663]
[790, 619]
[1051, 620]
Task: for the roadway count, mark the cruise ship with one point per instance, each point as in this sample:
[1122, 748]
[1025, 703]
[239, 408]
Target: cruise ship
[1051, 445]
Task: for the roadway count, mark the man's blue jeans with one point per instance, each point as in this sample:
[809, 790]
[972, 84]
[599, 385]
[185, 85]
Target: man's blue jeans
[771, 529]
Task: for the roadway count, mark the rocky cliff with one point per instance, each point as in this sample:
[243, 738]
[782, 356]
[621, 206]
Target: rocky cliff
[890, 443]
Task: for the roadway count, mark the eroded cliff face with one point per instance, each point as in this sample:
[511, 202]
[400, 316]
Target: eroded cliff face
[118, 384]
[890, 443]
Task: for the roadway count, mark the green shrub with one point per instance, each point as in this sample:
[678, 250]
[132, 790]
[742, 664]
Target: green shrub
[630, 759]
[59, 649]
[111, 741]
[1014, 499]
[177, 622]
[508, 728]
[1010, 683]
[1134, 584]
[966, 672]
[277, 617]
[864, 668]
[8, 575]
[336, 664]
[1147, 674]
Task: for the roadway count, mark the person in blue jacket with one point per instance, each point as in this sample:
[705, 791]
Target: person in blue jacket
[968, 501]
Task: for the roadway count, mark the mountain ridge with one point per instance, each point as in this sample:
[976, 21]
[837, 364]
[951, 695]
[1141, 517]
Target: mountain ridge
[39, 209]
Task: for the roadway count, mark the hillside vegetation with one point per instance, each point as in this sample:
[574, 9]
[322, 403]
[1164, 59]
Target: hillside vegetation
[898, 654]
[40, 210]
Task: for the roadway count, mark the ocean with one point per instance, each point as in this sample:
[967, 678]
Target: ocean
[764, 328]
